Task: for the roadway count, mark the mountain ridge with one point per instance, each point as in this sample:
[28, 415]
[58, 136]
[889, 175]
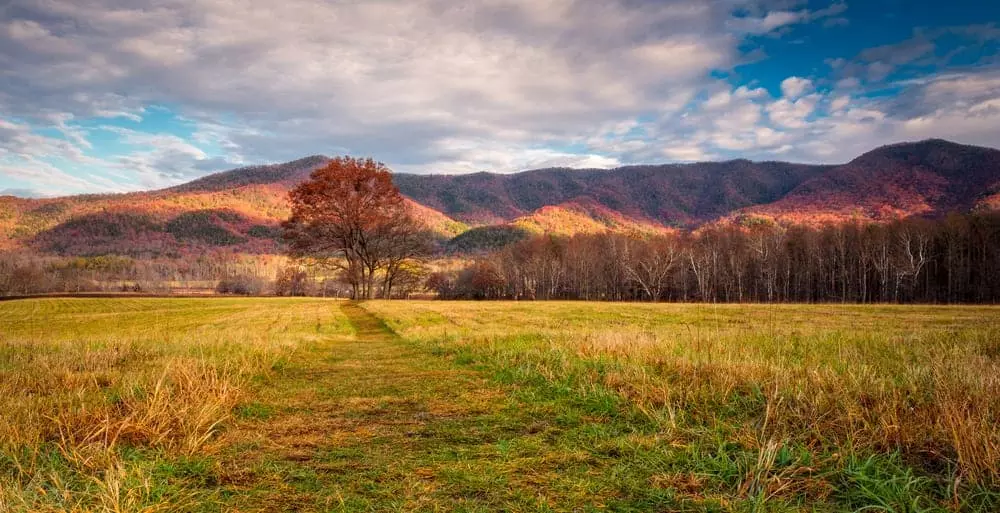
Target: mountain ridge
[239, 210]
[930, 177]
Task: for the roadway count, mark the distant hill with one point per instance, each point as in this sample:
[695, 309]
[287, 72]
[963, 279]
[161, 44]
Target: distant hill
[670, 195]
[583, 215]
[928, 178]
[287, 175]
[239, 211]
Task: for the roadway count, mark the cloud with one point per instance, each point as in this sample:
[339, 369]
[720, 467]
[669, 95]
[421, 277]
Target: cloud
[794, 87]
[839, 103]
[363, 77]
[435, 86]
[474, 156]
[380, 65]
[966, 106]
[47, 178]
[791, 114]
[686, 153]
[776, 19]
[831, 126]
[769, 22]
[21, 193]
[159, 160]
[935, 48]
[20, 140]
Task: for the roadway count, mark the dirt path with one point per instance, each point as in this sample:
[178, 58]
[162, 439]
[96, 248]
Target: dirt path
[370, 423]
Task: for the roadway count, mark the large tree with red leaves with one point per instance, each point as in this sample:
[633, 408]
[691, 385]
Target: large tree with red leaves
[350, 215]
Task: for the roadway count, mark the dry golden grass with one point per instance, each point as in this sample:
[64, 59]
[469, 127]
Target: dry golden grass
[85, 382]
[835, 381]
[136, 405]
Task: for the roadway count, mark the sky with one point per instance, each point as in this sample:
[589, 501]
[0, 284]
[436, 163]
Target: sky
[121, 95]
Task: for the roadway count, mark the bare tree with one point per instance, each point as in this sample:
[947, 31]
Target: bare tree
[914, 245]
[402, 243]
[649, 263]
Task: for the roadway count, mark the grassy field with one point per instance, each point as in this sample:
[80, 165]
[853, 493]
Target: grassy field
[324, 405]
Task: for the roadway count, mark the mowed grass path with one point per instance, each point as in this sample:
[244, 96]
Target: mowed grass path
[321, 405]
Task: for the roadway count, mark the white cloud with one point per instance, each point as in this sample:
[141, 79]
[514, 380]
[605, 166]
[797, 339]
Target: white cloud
[848, 83]
[774, 20]
[769, 22]
[718, 100]
[839, 103]
[795, 87]
[301, 76]
[769, 138]
[19, 140]
[686, 153]
[739, 118]
[472, 156]
[792, 114]
[434, 86]
[745, 92]
[45, 178]
[833, 127]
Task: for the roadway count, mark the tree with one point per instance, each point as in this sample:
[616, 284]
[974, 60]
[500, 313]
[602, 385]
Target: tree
[481, 280]
[401, 243]
[350, 216]
[292, 281]
[650, 262]
[914, 246]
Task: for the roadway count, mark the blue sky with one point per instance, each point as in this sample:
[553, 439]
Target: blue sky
[111, 95]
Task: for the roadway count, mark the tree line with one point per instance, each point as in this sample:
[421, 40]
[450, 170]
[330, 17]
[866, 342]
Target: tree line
[952, 260]
[26, 273]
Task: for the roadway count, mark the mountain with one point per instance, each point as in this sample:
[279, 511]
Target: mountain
[236, 211]
[285, 175]
[673, 194]
[583, 215]
[239, 211]
[928, 178]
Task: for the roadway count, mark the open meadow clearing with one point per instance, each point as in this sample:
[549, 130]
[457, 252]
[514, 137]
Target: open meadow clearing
[254, 404]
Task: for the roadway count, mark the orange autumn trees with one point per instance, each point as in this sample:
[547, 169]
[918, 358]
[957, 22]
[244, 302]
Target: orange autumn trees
[350, 216]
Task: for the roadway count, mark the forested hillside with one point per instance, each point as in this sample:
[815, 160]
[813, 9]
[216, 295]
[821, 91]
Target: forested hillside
[930, 178]
[239, 211]
[718, 231]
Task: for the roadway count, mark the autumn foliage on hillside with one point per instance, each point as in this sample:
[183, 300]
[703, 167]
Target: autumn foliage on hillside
[674, 195]
[930, 178]
[231, 214]
[238, 212]
[584, 215]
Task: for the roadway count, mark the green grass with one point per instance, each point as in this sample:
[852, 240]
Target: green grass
[747, 407]
[324, 405]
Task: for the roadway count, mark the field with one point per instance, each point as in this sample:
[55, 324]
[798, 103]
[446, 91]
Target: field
[275, 404]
